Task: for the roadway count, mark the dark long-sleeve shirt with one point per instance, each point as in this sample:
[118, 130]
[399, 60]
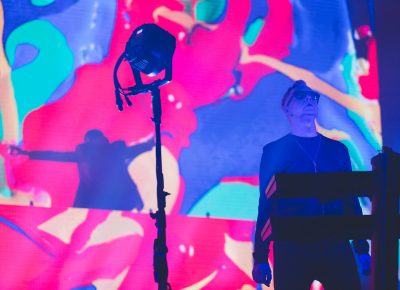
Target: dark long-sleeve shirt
[293, 154]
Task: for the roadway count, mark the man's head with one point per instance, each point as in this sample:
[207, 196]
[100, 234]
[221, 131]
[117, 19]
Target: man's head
[95, 137]
[300, 102]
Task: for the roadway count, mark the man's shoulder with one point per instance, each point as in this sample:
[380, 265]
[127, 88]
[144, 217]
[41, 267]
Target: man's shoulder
[332, 143]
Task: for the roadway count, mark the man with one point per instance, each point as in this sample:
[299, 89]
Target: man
[298, 263]
[105, 182]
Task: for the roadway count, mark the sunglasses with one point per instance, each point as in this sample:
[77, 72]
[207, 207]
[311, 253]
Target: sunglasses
[301, 96]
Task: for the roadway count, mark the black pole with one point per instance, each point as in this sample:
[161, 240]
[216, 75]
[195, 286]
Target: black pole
[385, 210]
[145, 55]
[160, 246]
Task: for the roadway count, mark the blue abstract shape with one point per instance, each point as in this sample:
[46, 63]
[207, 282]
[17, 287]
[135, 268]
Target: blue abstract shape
[259, 10]
[218, 150]
[24, 54]
[320, 34]
[88, 30]
[19, 230]
[89, 43]
[16, 13]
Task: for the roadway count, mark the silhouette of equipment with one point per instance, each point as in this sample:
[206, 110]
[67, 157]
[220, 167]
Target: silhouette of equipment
[382, 226]
[149, 50]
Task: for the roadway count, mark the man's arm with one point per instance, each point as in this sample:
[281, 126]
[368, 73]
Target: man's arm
[135, 150]
[261, 269]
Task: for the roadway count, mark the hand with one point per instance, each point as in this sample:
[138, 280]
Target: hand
[365, 263]
[15, 150]
[262, 273]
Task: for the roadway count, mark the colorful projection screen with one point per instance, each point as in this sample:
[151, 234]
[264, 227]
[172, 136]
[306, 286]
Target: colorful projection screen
[75, 213]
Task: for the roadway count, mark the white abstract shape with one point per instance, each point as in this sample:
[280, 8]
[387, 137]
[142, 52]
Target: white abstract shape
[114, 227]
[202, 283]
[182, 248]
[248, 287]
[316, 285]
[25, 195]
[171, 97]
[142, 171]
[191, 251]
[70, 219]
[181, 35]
[240, 254]
[111, 284]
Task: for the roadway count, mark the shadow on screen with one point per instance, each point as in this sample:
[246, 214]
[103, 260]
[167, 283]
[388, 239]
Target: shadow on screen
[104, 180]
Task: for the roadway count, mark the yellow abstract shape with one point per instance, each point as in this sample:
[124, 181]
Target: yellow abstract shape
[32, 197]
[111, 284]
[240, 254]
[367, 109]
[114, 227]
[183, 19]
[202, 283]
[143, 172]
[333, 133]
[8, 105]
[63, 225]
[247, 287]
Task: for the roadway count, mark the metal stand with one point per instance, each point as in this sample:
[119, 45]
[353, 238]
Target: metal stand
[160, 247]
[149, 51]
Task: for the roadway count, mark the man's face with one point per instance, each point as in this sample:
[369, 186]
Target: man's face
[303, 106]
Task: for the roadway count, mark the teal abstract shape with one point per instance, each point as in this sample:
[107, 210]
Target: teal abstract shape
[4, 190]
[35, 82]
[357, 160]
[235, 200]
[253, 31]
[41, 2]
[353, 87]
[210, 11]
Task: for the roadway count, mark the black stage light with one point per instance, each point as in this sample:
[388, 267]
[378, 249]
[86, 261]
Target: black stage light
[149, 50]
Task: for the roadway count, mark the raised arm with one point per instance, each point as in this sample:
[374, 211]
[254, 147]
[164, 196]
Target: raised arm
[135, 150]
[45, 155]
